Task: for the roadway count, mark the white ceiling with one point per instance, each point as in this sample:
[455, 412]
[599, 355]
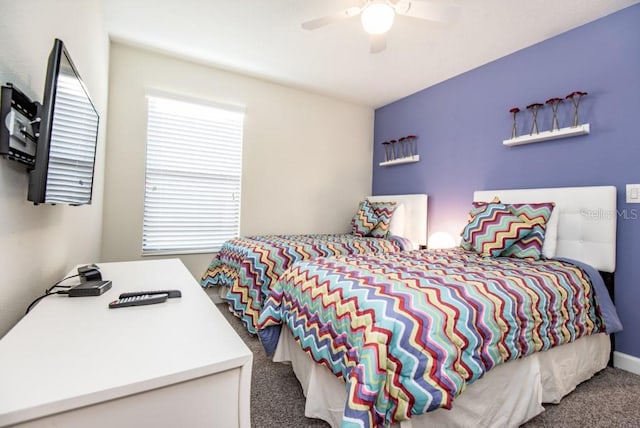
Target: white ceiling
[263, 38]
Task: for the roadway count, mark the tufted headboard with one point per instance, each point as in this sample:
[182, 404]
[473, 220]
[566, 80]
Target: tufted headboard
[586, 222]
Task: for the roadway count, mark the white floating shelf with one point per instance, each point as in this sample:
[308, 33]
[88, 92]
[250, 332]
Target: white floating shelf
[408, 159]
[569, 131]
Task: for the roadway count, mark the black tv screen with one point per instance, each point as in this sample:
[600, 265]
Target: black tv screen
[68, 133]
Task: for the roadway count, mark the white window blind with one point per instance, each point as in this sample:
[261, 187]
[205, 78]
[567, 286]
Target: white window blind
[192, 180]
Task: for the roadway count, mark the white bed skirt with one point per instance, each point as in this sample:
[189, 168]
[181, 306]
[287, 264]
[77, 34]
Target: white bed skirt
[507, 396]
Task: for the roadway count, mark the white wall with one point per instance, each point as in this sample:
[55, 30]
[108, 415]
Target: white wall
[40, 244]
[306, 158]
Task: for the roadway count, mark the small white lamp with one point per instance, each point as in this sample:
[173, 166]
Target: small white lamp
[441, 240]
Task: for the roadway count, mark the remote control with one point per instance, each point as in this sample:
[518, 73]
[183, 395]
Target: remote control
[139, 300]
[170, 293]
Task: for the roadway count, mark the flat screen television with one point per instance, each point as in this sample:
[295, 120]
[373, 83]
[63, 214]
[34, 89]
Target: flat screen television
[68, 134]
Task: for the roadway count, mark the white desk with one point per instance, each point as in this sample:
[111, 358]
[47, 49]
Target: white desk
[73, 362]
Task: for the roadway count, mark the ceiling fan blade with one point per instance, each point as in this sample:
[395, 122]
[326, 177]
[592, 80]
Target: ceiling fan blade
[378, 43]
[428, 10]
[330, 19]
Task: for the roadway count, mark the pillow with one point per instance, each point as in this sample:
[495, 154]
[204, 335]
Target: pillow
[404, 243]
[398, 221]
[551, 236]
[364, 220]
[494, 230]
[384, 212]
[476, 208]
[530, 246]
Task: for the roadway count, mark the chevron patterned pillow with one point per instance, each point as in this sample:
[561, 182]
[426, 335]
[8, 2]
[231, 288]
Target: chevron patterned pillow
[494, 230]
[364, 220]
[530, 246]
[384, 211]
[476, 208]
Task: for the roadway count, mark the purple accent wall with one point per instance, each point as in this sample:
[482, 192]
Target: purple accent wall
[462, 122]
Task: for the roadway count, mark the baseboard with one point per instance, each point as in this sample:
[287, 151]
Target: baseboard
[626, 362]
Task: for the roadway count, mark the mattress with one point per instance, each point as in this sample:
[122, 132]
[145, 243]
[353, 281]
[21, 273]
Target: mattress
[507, 396]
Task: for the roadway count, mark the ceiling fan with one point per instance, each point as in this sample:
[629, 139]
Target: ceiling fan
[377, 16]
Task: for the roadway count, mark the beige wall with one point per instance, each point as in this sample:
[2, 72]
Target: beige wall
[306, 158]
[40, 244]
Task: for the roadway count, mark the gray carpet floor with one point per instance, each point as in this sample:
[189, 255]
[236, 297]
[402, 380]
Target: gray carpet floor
[610, 399]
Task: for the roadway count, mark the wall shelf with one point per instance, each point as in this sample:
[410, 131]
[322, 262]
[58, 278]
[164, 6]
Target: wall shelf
[569, 131]
[408, 159]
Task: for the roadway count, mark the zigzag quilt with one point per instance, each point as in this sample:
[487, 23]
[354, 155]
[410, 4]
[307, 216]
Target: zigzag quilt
[249, 265]
[408, 332]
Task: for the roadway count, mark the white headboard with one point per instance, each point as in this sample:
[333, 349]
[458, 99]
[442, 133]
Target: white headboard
[415, 206]
[586, 223]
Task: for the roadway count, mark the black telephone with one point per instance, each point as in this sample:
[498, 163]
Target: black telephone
[89, 273]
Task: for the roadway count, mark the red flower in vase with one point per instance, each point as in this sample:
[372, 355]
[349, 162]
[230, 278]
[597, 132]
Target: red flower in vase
[554, 103]
[575, 99]
[534, 109]
[514, 111]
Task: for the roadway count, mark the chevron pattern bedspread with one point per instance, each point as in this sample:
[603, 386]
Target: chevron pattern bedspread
[408, 332]
[249, 265]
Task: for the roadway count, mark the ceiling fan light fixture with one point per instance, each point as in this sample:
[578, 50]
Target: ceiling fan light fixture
[377, 18]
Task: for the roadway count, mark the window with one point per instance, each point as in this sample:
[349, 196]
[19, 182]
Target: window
[192, 177]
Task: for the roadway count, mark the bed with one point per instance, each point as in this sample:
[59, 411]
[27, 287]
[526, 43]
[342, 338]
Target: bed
[245, 267]
[327, 317]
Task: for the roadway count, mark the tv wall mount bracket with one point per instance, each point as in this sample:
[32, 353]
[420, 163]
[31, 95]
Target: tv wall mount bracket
[19, 126]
